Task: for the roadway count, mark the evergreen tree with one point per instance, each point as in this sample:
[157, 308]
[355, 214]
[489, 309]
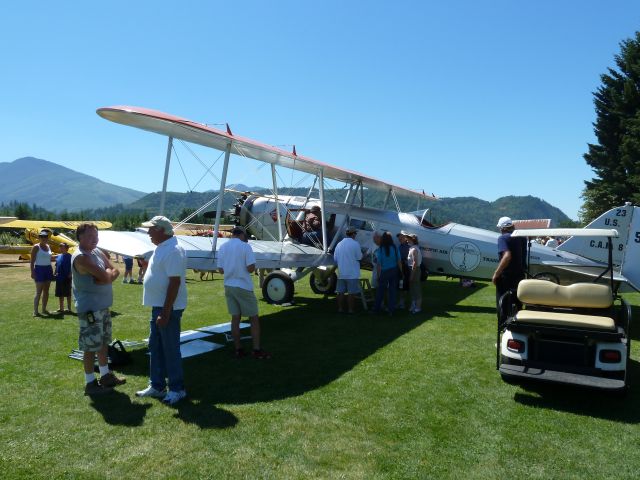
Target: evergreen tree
[616, 158]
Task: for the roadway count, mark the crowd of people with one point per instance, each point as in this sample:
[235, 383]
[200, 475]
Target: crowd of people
[396, 271]
[89, 272]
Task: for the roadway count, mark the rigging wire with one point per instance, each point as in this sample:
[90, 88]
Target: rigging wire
[182, 169]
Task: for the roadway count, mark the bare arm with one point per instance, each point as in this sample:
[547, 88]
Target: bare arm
[32, 261]
[504, 263]
[84, 264]
[251, 268]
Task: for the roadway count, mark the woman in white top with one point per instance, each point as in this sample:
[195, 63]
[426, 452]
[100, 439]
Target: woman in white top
[41, 272]
[414, 260]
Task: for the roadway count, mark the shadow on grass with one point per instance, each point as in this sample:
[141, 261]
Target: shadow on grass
[205, 415]
[616, 407]
[117, 409]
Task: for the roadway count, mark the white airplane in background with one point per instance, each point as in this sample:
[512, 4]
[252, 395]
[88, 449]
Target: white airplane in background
[451, 249]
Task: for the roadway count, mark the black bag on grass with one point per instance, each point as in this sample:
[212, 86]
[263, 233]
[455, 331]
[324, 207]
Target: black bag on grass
[118, 356]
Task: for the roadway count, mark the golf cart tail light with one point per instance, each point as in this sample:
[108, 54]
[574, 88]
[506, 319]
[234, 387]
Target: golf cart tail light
[610, 356]
[515, 345]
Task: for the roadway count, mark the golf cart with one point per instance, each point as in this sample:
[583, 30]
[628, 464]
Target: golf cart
[575, 334]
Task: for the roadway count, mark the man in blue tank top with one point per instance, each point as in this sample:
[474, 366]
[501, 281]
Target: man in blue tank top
[92, 276]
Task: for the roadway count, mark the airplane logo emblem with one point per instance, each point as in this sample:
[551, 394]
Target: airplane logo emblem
[465, 256]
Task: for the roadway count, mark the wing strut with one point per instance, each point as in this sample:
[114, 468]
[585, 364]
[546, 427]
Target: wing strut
[223, 181]
[275, 194]
[166, 175]
[322, 210]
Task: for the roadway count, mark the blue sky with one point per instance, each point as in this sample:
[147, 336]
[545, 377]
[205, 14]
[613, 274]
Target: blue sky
[459, 98]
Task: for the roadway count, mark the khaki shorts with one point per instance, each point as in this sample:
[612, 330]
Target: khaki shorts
[241, 302]
[94, 334]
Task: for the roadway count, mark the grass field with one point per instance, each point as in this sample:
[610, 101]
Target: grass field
[344, 397]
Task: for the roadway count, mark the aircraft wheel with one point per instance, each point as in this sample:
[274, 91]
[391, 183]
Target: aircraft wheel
[328, 287]
[277, 288]
[550, 277]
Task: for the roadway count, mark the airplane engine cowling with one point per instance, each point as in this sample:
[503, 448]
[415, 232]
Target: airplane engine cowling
[258, 215]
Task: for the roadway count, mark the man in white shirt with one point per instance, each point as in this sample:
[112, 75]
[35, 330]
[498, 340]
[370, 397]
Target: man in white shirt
[348, 255]
[165, 291]
[237, 262]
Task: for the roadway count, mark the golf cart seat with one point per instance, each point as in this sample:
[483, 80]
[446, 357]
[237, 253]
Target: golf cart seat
[581, 305]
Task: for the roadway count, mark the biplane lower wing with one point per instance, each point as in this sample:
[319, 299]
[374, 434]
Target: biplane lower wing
[201, 257]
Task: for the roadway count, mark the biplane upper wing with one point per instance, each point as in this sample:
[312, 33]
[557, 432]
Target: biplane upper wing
[189, 131]
[68, 224]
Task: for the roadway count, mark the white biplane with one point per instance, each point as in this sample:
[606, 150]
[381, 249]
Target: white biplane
[451, 249]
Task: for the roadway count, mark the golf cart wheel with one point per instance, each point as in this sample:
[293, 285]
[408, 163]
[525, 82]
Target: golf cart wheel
[326, 288]
[549, 277]
[277, 288]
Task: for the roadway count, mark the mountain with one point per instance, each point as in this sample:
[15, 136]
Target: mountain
[482, 214]
[57, 188]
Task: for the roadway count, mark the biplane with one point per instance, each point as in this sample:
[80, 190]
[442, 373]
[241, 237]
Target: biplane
[450, 249]
[30, 230]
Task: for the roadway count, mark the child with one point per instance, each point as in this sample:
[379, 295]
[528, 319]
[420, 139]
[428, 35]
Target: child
[63, 278]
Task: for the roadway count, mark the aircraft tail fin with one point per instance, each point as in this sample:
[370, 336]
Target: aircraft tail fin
[626, 248]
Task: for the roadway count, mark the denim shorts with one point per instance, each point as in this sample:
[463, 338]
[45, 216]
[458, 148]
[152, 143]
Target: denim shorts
[43, 273]
[350, 285]
[95, 330]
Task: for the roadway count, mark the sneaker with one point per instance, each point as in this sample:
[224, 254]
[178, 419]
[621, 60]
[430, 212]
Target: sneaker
[261, 354]
[110, 380]
[151, 392]
[174, 397]
[416, 310]
[240, 353]
[94, 388]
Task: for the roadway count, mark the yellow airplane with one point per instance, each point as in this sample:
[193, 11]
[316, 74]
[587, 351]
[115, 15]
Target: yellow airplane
[32, 229]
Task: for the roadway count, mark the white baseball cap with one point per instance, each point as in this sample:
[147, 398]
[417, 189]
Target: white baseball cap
[160, 222]
[505, 222]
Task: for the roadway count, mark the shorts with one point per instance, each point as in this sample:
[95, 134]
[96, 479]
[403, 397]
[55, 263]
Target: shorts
[350, 285]
[63, 287]
[43, 273]
[94, 335]
[241, 302]
[128, 263]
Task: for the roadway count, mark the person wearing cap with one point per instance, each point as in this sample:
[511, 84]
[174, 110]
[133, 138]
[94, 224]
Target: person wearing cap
[63, 278]
[347, 256]
[312, 234]
[512, 254]
[165, 291]
[414, 261]
[403, 284]
[92, 276]
[41, 271]
[236, 261]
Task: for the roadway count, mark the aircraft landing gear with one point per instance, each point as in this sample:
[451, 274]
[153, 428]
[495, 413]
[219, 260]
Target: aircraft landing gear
[323, 284]
[278, 288]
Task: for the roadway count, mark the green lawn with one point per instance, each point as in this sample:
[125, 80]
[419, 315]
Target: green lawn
[344, 397]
